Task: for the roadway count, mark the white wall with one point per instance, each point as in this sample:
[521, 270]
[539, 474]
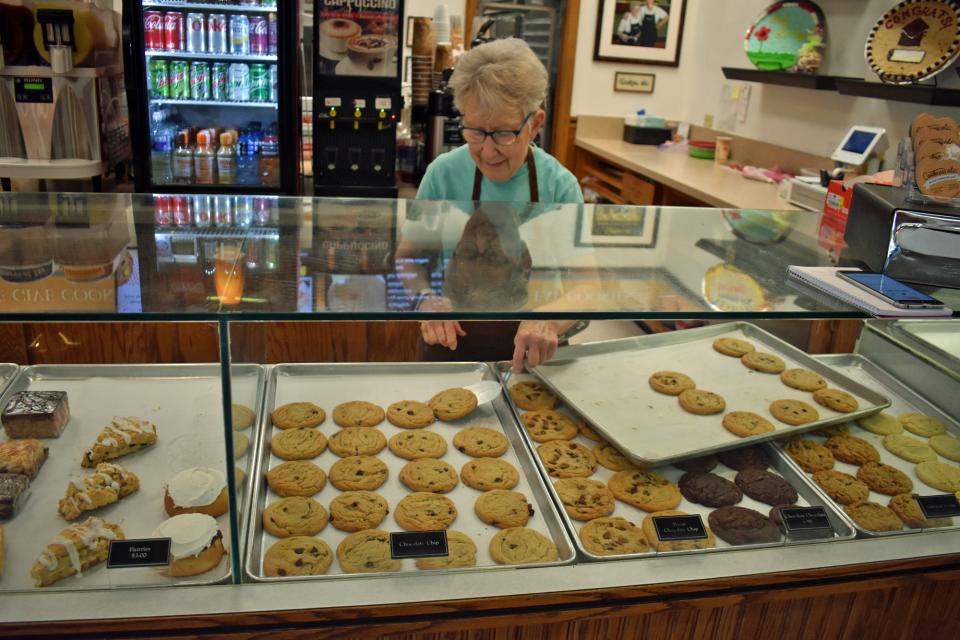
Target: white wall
[806, 120]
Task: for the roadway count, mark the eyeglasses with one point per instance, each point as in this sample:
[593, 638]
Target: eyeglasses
[501, 137]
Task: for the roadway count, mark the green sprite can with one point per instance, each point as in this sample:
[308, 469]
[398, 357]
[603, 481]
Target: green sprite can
[219, 82]
[179, 80]
[259, 83]
[159, 80]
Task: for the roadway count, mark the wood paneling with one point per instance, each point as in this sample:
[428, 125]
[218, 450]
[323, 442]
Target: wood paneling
[564, 135]
[120, 342]
[13, 343]
[834, 336]
[343, 341]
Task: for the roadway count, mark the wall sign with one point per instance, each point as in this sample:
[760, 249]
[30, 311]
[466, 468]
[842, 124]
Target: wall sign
[635, 82]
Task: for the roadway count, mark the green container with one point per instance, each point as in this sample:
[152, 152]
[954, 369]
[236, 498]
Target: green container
[259, 83]
[159, 85]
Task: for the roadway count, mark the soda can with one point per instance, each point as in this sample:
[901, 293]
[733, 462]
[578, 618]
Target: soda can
[196, 33]
[220, 82]
[274, 83]
[262, 211]
[259, 38]
[223, 211]
[203, 208]
[179, 80]
[239, 82]
[162, 210]
[180, 210]
[259, 83]
[153, 30]
[272, 33]
[199, 81]
[240, 34]
[217, 30]
[243, 217]
[159, 82]
[173, 35]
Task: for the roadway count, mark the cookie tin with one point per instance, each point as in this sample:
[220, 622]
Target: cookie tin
[842, 530]
[606, 383]
[183, 401]
[903, 400]
[328, 385]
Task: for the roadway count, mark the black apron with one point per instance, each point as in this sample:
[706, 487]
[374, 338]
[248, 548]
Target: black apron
[486, 339]
[648, 31]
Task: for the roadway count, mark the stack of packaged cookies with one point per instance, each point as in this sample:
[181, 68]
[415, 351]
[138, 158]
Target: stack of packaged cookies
[936, 152]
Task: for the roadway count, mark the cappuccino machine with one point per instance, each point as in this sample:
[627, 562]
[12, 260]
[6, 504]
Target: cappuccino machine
[357, 103]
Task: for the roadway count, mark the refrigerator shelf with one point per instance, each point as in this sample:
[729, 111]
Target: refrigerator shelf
[216, 8]
[213, 103]
[209, 57]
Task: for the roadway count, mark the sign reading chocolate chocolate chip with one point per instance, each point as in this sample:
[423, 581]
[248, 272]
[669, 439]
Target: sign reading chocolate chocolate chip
[943, 505]
[150, 552]
[679, 527]
[418, 544]
[804, 518]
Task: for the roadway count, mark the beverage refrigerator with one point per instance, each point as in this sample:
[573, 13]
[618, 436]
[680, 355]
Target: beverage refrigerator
[213, 91]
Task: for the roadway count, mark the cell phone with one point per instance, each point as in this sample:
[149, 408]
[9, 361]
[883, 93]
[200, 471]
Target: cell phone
[893, 291]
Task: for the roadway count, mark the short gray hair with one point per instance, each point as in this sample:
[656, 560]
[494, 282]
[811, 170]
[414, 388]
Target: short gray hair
[500, 72]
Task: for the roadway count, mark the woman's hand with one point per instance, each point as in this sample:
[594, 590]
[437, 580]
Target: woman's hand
[443, 332]
[537, 341]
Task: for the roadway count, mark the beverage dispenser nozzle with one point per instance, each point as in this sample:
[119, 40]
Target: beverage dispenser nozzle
[56, 25]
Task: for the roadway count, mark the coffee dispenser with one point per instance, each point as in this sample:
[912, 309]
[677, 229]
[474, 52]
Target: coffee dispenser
[357, 101]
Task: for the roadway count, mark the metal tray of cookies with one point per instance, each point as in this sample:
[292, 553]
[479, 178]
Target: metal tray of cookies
[182, 400]
[842, 529]
[328, 385]
[938, 338]
[606, 383]
[8, 371]
[903, 400]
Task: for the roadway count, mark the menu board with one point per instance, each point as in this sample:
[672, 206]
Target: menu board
[358, 37]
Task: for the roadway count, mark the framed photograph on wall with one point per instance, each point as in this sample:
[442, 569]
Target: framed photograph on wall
[641, 31]
[611, 225]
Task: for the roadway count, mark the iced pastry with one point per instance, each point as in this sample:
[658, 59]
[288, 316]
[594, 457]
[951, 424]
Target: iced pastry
[22, 456]
[124, 435]
[36, 414]
[13, 486]
[197, 490]
[77, 548]
[106, 485]
[196, 544]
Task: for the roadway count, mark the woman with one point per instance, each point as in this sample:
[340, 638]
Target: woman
[499, 89]
[642, 24]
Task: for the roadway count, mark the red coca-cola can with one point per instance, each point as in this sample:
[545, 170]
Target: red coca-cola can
[179, 211]
[259, 35]
[153, 30]
[162, 215]
[173, 31]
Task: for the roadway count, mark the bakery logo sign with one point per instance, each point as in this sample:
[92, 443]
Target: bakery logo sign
[917, 12]
[352, 6]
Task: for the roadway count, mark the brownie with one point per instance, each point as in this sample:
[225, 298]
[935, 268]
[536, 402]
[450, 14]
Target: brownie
[702, 464]
[752, 457]
[737, 525]
[36, 414]
[709, 489]
[12, 487]
[766, 487]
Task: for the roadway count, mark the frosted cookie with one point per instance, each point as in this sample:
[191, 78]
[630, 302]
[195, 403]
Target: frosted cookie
[366, 552]
[612, 536]
[196, 543]
[77, 548]
[480, 442]
[358, 413]
[297, 556]
[503, 509]
[545, 425]
[429, 474]
[461, 552]
[733, 347]
[294, 516]
[422, 511]
[357, 510]
[672, 383]
[297, 478]
[410, 414]
[882, 424]
[531, 395]
[453, 404]
[36, 414]
[353, 473]
[196, 490]
[921, 424]
[298, 415]
[521, 545]
[803, 379]
[298, 444]
[107, 485]
[357, 441]
[123, 436]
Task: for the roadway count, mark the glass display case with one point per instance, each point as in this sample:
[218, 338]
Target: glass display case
[280, 362]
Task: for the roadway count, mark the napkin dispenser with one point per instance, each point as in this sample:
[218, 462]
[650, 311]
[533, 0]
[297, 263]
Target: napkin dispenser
[919, 244]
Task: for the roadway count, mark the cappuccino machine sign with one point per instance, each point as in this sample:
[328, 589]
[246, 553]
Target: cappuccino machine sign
[356, 100]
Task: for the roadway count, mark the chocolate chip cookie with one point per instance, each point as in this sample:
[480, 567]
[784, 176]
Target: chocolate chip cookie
[545, 425]
[565, 459]
[803, 379]
[410, 414]
[763, 362]
[836, 400]
[738, 525]
[746, 424]
[906, 507]
[752, 457]
[297, 556]
[358, 473]
[672, 383]
[522, 545]
[852, 450]
[882, 424]
[793, 412]
[921, 424]
[485, 474]
[613, 537]
[842, 429]
[241, 416]
[884, 478]
[298, 444]
[709, 489]
[910, 449]
[766, 487]
[811, 456]
[503, 509]
[366, 552]
[296, 478]
[480, 442]
[611, 458]
[587, 431]
[645, 490]
[531, 395]
[873, 517]
[701, 402]
[357, 510]
[297, 415]
[423, 511]
[733, 347]
[650, 533]
[294, 516]
[418, 444]
[584, 499]
[357, 441]
[453, 404]
[461, 552]
[358, 413]
[429, 474]
[841, 487]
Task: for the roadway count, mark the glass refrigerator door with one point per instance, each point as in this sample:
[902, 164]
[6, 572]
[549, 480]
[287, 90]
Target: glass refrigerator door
[212, 93]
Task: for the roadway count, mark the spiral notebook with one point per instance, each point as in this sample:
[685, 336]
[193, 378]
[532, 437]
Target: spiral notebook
[825, 279]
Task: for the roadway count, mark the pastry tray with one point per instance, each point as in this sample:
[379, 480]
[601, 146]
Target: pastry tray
[183, 400]
[842, 530]
[330, 384]
[903, 400]
[606, 383]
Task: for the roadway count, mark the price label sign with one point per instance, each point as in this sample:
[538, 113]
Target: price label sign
[418, 544]
[944, 505]
[805, 519]
[680, 528]
[147, 552]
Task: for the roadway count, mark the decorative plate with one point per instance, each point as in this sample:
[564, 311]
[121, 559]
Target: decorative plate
[727, 288]
[915, 40]
[787, 36]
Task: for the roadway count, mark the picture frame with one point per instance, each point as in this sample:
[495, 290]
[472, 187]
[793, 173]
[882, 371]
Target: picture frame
[634, 82]
[613, 225]
[625, 32]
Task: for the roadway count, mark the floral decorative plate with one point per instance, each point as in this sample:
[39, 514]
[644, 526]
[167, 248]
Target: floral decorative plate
[787, 36]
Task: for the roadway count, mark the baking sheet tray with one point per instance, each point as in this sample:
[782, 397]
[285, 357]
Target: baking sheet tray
[903, 400]
[7, 372]
[606, 383]
[183, 400]
[807, 496]
[330, 384]
[941, 337]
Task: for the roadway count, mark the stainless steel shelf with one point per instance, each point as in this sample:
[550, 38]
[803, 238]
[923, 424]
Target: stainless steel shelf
[216, 8]
[213, 103]
[210, 57]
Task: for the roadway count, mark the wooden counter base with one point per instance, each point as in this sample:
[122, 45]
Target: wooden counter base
[906, 599]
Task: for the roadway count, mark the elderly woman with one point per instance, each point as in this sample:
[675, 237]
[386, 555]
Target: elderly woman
[499, 89]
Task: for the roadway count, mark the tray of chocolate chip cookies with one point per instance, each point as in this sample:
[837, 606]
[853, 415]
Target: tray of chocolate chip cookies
[611, 505]
[874, 468]
[373, 468]
[672, 396]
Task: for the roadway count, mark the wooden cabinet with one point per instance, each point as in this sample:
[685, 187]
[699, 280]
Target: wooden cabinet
[622, 186]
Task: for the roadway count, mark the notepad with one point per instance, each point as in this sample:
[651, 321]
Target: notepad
[825, 279]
